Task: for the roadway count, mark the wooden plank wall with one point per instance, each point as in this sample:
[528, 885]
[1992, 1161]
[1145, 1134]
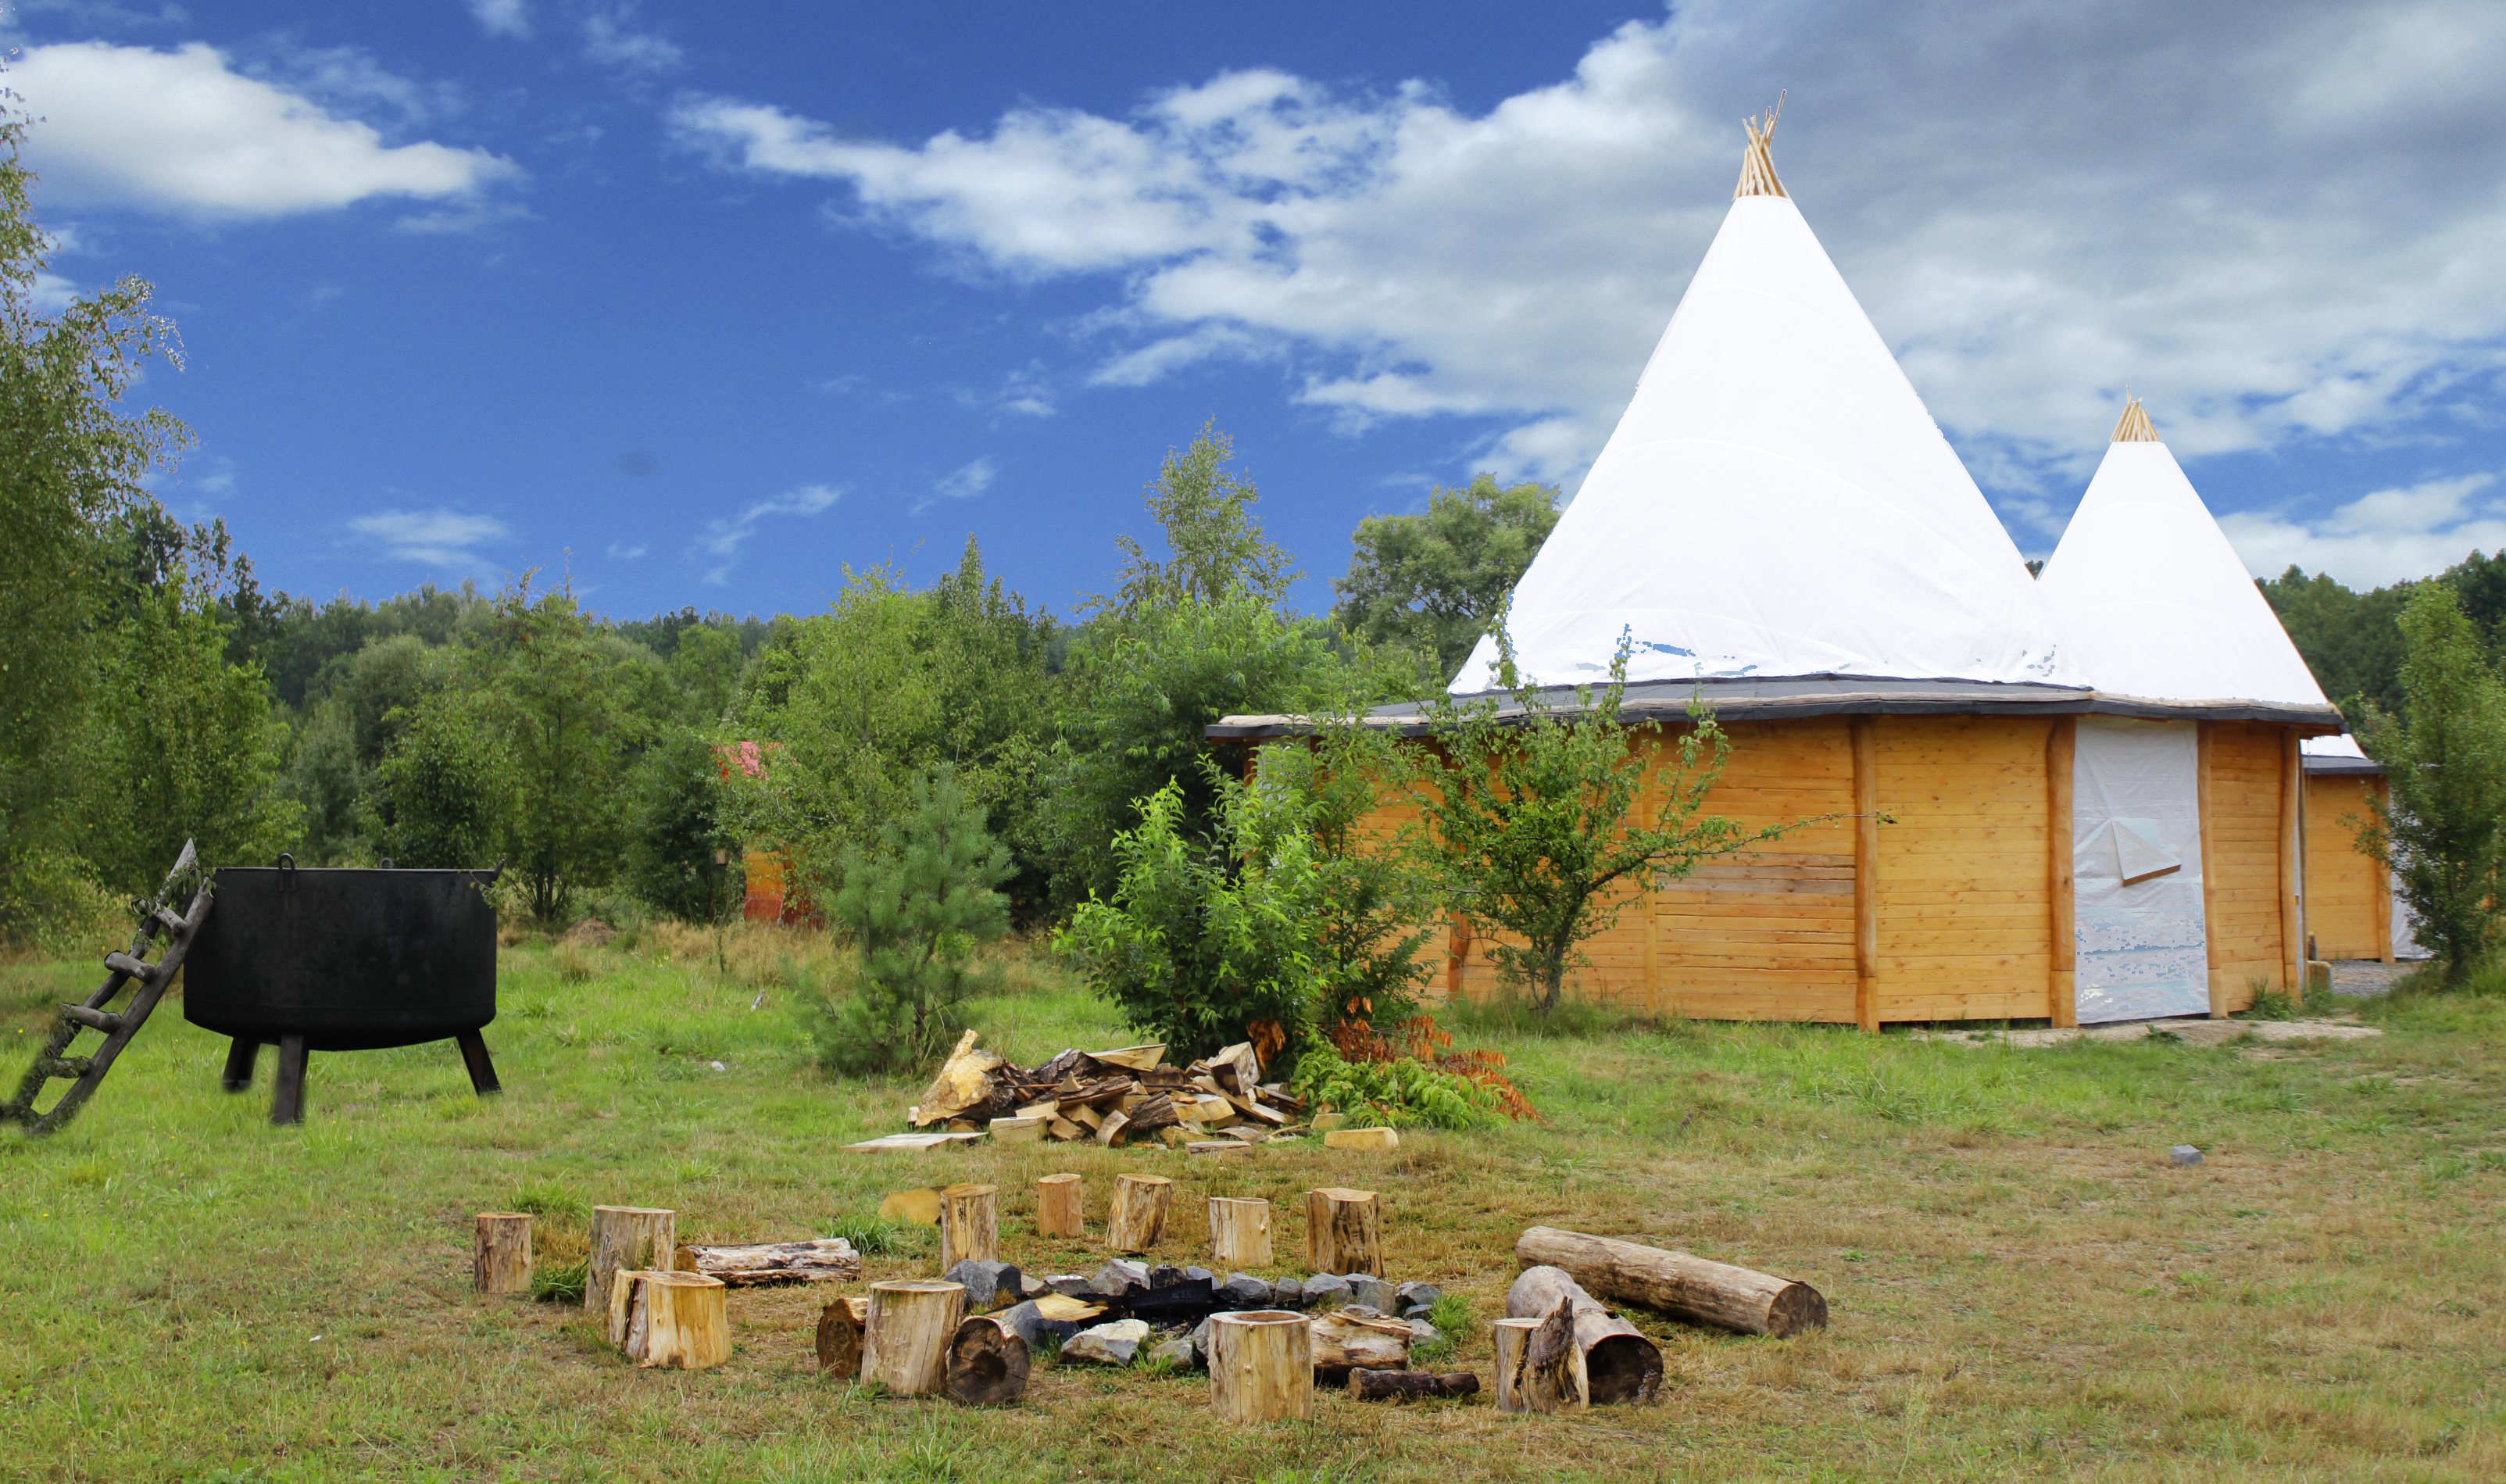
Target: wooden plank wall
[2346, 891]
[2243, 872]
[1965, 899]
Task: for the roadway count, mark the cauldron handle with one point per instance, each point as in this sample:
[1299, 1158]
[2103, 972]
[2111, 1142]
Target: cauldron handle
[286, 872]
[494, 873]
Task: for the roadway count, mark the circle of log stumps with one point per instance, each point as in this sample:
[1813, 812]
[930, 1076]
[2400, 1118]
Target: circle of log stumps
[1261, 1365]
[1343, 1231]
[906, 1344]
[500, 1253]
[628, 1237]
[679, 1320]
[1240, 1232]
[1059, 1200]
[1139, 1212]
[970, 1224]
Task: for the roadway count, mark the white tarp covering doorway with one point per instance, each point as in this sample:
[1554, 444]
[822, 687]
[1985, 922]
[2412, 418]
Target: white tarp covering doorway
[2136, 870]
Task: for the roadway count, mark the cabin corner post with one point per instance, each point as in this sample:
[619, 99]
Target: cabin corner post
[1866, 872]
[2379, 793]
[2210, 874]
[2292, 866]
[2061, 749]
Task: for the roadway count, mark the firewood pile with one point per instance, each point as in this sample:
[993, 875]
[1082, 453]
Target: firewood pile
[1113, 1097]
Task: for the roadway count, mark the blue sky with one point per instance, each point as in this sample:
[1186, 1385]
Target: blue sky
[705, 303]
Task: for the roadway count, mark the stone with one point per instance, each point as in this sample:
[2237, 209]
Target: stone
[1367, 1140]
[1024, 1320]
[1326, 1292]
[1417, 1296]
[1199, 1275]
[990, 1286]
[1200, 1343]
[1114, 1344]
[1243, 1291]
[1166, 1275]
[1067, 1284]
[1033, 1287]
[1372, 1291]
[1288, 1294]
[1119, 1278]
[2184, 1154]
[1181, 1354]
[1423, 1333]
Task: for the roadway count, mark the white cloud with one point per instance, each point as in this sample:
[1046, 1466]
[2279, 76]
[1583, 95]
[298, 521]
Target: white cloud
[2277, 220]
[444, 538]
[52, 293]
[961, 484]
[502, 18]
[612, 39]
[183, 131]
[723, 539]
[622, 552]
[2389, 537]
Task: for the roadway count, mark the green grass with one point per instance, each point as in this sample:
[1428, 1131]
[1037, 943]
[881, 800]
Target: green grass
[2021, 1287]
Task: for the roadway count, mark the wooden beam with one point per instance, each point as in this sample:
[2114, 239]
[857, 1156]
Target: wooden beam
[2210, 875]
[1866, 871]
[2292, 866]
[2383, 879]
[2061, 751]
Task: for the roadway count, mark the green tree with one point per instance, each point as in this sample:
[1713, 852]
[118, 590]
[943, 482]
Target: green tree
[442, 797]
[1534, 814]
[1433, 581]
[2352, 642]
[2446, 767]
[1216, 548]
[918, 906]
[674, 801]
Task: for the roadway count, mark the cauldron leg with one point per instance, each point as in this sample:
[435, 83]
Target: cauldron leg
[239, 1059]
[474, 1054]
[287, 1105]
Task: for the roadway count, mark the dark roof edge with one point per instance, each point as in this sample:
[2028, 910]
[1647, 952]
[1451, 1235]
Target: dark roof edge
[2334, 766]
[2029, 701]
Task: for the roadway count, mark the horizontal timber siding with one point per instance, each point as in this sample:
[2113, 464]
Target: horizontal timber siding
[2246, 774]
[2345, 888]
[1965, 917]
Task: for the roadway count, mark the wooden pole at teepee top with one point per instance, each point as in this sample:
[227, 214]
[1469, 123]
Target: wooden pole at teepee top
[1059, 1205]
[970, 1224]
[639, 1236]
[500, 1253]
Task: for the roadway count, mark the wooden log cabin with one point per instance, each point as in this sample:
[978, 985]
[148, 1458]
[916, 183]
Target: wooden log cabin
[2350, 911]
[1778, 526]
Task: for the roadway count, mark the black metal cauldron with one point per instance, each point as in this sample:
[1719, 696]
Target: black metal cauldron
[338, 960]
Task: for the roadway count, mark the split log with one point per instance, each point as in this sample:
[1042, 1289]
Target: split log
[970, 1224]
[906, 1344]
[841, 1325]
[1677, 1284]
[1399, 1385]
[822, 1259]
[676, 1320]
[1131, 1058]
[1261, 1366]
[1152, 1113]
[1240, 1232]
[1620, 1365]
[1058, 1201]
[963, 1086]
[1343, 1232]
[987, 1364]
[1538, 1368]
[1345, 1341]
[500, 1253]
[1112, 1128]
[637, 1237]
[1238, 1069]
[1140, 1212]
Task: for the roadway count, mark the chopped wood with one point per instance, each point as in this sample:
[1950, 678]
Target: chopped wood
[1138, 1216]
[970, 1224]
[1261, 1366]
[1362, 1139]
[764, 1264]
[1174, 1138]
[1017, 1131]
[1084, 1115]
[1238, 1069]
[1131, 1058]
[1111, 1127]
[987, 1364]
[1343, 1231]
[1152, 1113]
[1109, 1097]
[628, 1237]
[931, 1140]
[1045, 1110]
[1239, 1233]
[1677, 1284]
[906, 1345]
[1401, 1385]
[841, 1325]
[500, 1253]
[1062, 1309]
[964, 1083]
[1350, 1340]
[1216, 1146]
[673, 1321]
[1058, 1206]
[1063, 1129]
[1620, 1365]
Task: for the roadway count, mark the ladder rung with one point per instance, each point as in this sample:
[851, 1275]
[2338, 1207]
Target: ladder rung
[124, 964]
[94, 1019]
[172, 920]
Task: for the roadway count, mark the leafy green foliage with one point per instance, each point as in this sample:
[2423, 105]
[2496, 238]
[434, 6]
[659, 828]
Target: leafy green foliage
[1216, 550]
[1433, 581]
[674, 800]
[918, 908]
[2444, 831]
[1401, 1092]
[440, 801]
[1533, 810]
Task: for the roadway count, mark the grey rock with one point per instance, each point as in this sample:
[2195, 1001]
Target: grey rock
[1022, 1320]
[1415, 1297]
[1243, 1291]
[1326, 1292]
[1182, 1353]
[1363, 1312]
[1288, 1294]
[1423, 1333]
[1114, 1344]
[1374, 1292]
[1033, 1287]
[1118, 1278]
[2184, 1154]
[990, 1286]
[1199, 1275]
[1200, 1343]
[1165, 1275]
[1068, 1285]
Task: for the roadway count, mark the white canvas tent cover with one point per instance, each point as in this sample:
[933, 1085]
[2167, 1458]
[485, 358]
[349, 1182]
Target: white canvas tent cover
[2149, 597]
[1776, 501]
[2342, 746]
[2136, 866]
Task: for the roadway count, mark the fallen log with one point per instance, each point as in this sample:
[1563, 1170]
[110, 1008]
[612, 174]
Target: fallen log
[823, 1259]
[840, 1336]
[987, 1364]
[1677, 1284]
[1400, 1386]
[1348, 1340]
[1620, 1365]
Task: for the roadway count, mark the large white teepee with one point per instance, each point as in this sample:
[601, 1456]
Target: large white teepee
[1776, 500]
[2151, 600]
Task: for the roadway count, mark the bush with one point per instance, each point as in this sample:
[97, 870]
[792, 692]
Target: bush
[1399, 1093]
[918, 908]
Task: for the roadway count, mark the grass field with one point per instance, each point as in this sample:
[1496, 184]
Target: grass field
[2022, 1287]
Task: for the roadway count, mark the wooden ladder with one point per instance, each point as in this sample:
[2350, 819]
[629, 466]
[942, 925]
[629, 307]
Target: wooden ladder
[84, 1072]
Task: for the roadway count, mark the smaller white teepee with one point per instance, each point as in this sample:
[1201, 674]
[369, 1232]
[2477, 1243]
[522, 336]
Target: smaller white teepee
[2150, 599]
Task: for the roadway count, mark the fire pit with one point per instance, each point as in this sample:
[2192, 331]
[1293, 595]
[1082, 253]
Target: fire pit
[343, 959]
